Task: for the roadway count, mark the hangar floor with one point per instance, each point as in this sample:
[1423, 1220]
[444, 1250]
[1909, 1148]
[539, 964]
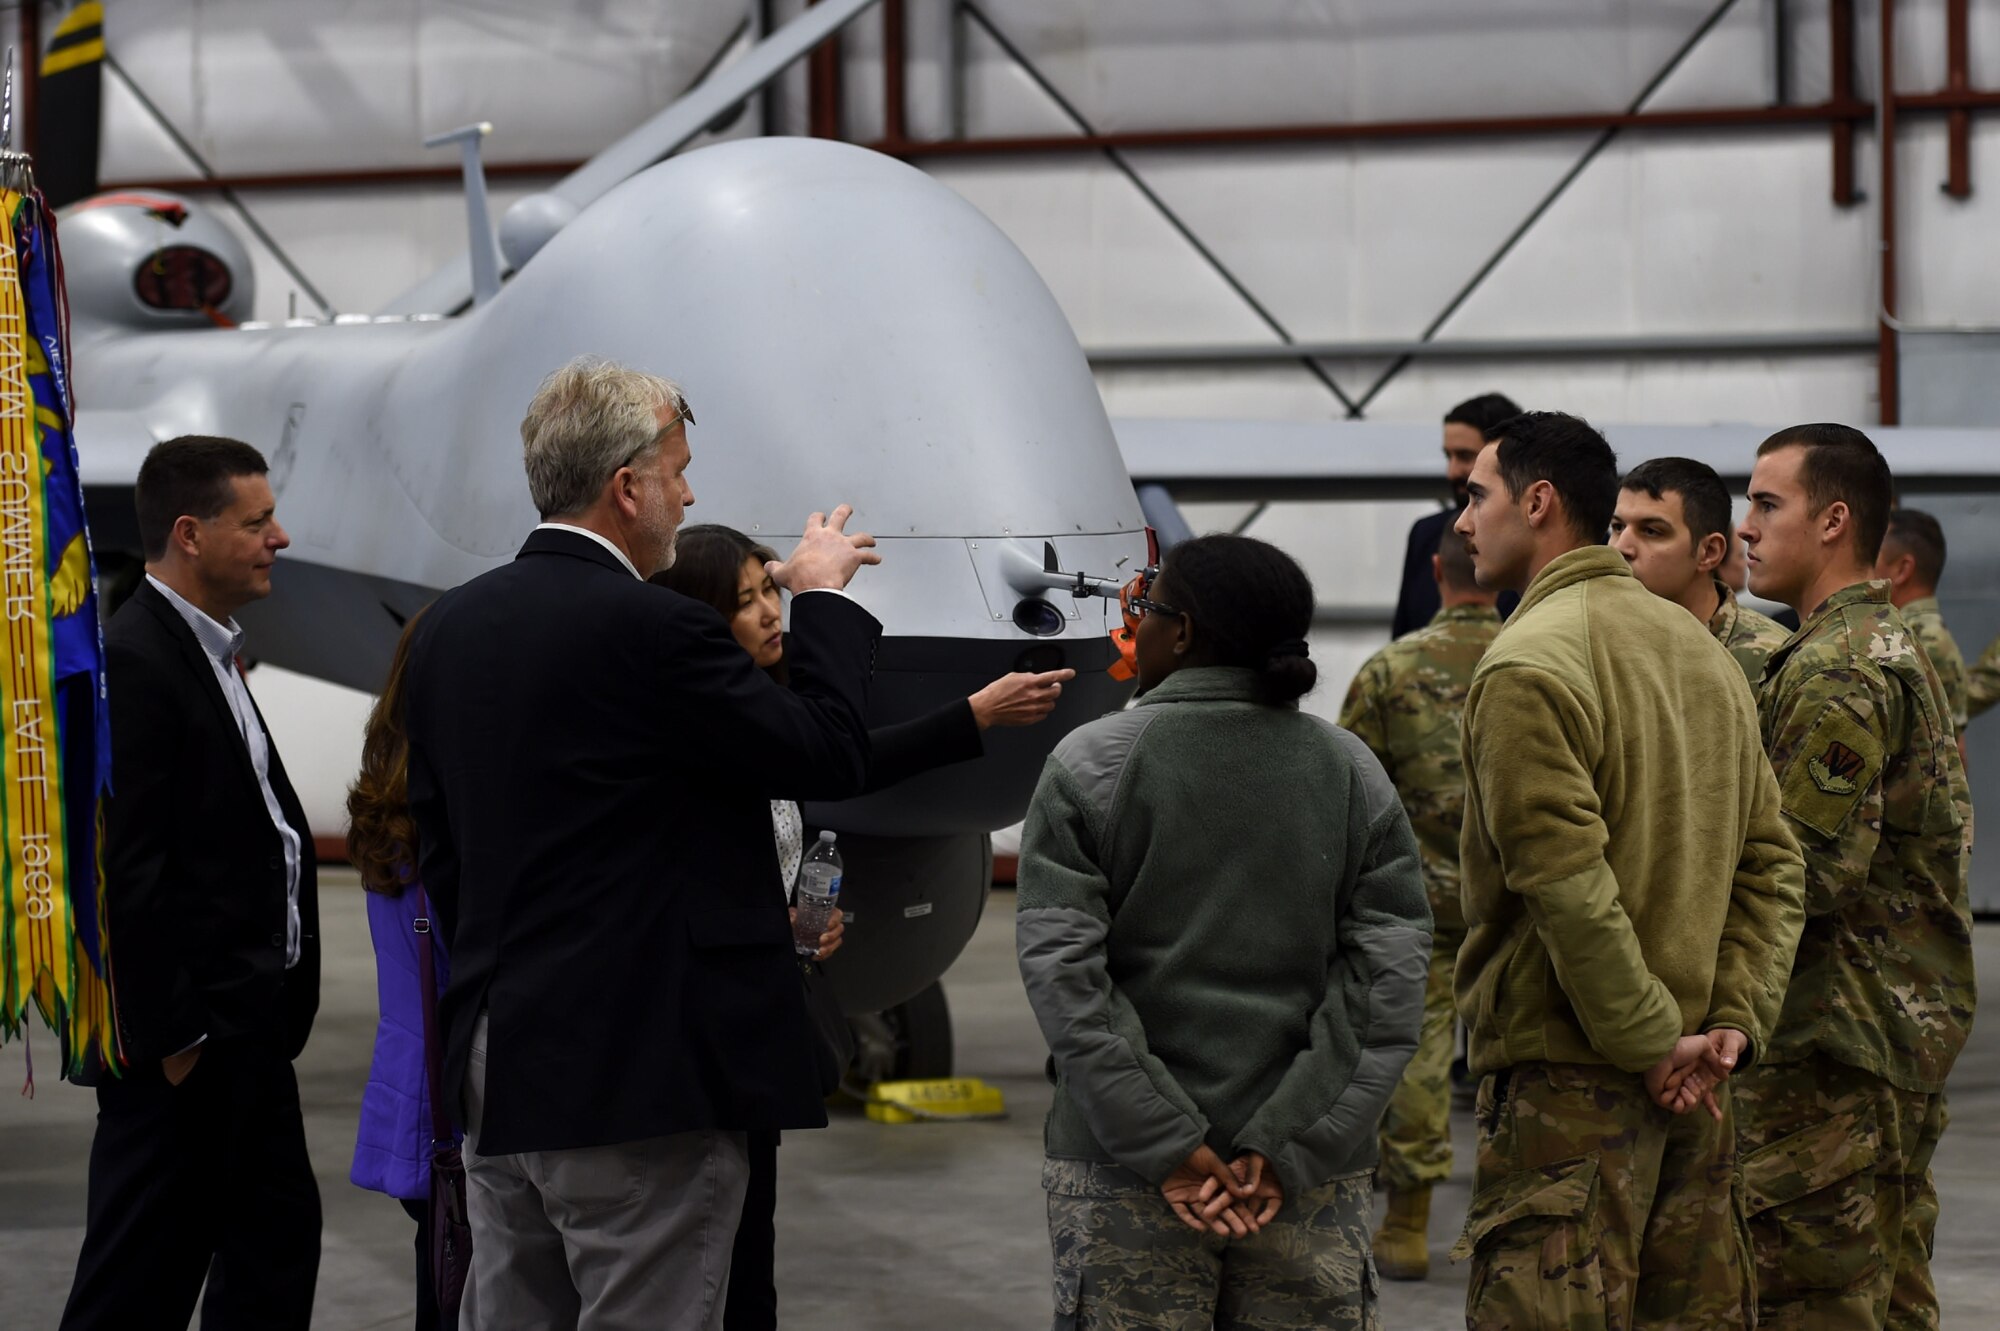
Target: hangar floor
[881, 1228]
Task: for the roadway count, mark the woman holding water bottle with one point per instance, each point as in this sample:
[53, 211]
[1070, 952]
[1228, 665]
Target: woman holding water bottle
[725, 568]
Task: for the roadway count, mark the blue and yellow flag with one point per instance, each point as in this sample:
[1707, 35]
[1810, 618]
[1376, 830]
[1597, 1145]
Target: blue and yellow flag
[55, 765]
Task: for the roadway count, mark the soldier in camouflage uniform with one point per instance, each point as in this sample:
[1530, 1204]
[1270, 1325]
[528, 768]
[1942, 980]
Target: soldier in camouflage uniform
[1404, 705]
[1982, 680]
[1837, 1124]
[1672, 526]
[1632, 900]
[1912, 562]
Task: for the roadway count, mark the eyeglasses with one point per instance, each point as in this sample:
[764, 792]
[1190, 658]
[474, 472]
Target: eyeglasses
[1135, 604]
[686, 413]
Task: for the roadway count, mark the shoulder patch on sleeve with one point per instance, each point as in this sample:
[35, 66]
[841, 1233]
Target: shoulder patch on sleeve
[1831, 771]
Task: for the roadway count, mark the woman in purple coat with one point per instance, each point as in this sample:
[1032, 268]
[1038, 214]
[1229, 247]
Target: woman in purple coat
[392, 1153]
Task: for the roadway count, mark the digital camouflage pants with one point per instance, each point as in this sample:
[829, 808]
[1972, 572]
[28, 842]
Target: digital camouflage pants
[1837, 1184]
[1125, 1262]
[1416, 1130]
[1596, 1210]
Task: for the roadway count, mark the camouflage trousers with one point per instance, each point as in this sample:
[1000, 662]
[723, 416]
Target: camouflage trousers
[1416, 1130]
[1125, 1262]
[1837, 1184]
[1595, 1210]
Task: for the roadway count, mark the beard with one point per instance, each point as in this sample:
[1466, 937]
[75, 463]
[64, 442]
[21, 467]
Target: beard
[663, 536]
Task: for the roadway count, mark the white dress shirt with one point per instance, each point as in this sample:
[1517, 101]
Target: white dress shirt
[600, 538]
[220, 643]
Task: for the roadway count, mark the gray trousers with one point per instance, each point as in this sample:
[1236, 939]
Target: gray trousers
[606, 1238]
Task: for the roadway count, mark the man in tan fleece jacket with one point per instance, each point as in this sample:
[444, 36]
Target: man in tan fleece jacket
[1629, 885]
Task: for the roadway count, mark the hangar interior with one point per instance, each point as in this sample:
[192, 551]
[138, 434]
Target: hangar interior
[1663, 213]
[1718, 216]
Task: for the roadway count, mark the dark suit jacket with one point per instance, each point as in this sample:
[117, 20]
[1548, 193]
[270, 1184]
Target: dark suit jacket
[1418, 601]
[940, 737]
[591, 764]
[194, 870]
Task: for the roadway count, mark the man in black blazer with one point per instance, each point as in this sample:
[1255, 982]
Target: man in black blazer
[199, 1167]
[1465, 427]
[592, 761]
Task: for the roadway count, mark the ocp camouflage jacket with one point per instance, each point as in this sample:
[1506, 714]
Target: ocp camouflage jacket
[1925, 620]
[1856, 724]
[1404, 705]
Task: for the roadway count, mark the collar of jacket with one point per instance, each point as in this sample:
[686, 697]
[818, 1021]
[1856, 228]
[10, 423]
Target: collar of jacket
[1855, 593]
[1474, 614]
[543, 541]
[1204, 684]
[1723, 622]
[1572, 567]
[1922, 605]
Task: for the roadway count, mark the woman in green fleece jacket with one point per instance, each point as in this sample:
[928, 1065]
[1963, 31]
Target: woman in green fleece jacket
[1223, 932]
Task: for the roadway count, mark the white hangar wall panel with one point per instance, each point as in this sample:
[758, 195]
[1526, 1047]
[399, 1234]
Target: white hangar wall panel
[263, 88]
[1662, 233]
[360, 245]
[1949, 276]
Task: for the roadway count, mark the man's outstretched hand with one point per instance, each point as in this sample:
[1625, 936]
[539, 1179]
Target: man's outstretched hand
[826, 557]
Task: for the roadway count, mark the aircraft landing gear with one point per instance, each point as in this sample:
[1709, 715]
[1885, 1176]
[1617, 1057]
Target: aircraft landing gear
[911, 1041]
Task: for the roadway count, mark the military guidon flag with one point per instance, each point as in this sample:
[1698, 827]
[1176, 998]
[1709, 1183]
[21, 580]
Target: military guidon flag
[55, 762]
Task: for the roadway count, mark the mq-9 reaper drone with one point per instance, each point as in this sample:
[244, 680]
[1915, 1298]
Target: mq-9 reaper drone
[852, 331]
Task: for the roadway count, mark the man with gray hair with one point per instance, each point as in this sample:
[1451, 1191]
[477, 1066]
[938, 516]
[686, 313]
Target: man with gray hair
[591, 764]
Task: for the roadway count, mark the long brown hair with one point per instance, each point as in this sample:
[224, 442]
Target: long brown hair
[381, 837]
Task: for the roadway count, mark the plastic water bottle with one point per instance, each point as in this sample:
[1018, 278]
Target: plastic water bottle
[818, 895]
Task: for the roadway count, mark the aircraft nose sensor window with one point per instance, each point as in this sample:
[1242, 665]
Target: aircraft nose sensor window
[182, 277]
[1038, 617]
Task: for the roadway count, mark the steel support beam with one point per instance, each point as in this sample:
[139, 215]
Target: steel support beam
[1887, 386]
[1958, 79]
[1840, 25]
[1748, 118]
[1808, 342]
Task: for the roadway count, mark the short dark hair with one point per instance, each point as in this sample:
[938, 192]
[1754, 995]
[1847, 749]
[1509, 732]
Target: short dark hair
[1842, 465]
[1917, 533]
[1251, 602]
[1704, 498]
[1455, 561]
[1571, 456]
[708, 561]
[188, 477]
[1482, 413]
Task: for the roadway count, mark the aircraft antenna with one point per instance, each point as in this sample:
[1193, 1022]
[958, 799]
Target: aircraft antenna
[16, 168]
[478, 224]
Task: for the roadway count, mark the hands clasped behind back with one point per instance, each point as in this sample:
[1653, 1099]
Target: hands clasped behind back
[1689, 1074]
[827, 557]
[1232, 1200]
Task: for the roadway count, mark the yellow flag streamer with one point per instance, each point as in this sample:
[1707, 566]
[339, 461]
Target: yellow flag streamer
[36, 891]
